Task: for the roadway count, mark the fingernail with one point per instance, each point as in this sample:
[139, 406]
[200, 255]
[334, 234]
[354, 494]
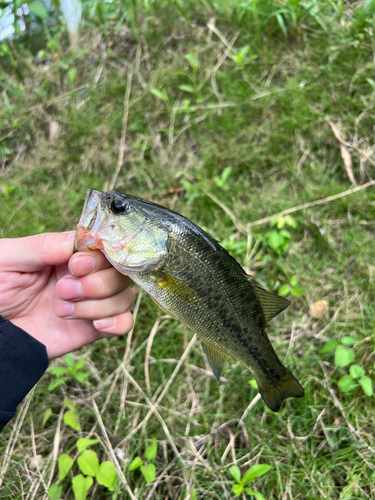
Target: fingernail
[69, 289]
[104, 324]
[82, 265]
[64, 309]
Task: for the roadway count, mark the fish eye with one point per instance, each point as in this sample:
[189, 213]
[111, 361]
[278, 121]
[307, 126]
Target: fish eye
[118, 206]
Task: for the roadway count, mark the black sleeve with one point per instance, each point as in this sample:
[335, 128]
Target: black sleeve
[23, 360]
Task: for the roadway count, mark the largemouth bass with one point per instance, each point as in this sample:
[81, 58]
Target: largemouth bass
[195, 280]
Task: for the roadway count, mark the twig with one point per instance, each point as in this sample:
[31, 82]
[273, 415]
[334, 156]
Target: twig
[148, 351]
[228, 211]
[14, 435]
[111, 452]
[121, 154]
[257, 398]
[346, 158]
[171, 378]
[124, 362]
[310, 204]
[157, 414]
[347, 144]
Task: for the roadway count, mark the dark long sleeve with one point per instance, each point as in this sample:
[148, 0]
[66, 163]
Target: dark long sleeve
[23, 360]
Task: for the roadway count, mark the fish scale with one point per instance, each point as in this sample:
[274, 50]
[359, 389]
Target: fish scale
[193, 278]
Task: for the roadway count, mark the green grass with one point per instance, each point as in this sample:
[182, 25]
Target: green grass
[267, 122]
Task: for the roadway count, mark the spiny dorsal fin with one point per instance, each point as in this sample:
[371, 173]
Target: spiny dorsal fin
[271, 303]
[216, 359]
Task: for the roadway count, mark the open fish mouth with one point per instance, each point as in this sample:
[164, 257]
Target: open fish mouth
[90, 222]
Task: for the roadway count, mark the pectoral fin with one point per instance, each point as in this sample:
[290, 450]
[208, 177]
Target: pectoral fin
[271, 303]
[215, 358]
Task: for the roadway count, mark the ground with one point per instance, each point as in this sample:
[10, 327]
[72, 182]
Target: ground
[228, 113]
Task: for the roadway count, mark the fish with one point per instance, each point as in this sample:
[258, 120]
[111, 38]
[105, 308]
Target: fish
[193, 279]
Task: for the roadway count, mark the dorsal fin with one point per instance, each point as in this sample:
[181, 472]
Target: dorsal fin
[271, 303]
[215, 358]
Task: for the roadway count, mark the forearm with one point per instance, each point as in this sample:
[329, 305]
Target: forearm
[23, 360]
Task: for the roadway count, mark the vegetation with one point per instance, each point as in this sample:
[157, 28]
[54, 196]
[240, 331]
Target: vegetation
[228, 112]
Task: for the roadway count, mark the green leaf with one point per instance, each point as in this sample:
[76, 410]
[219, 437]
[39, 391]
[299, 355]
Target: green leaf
[161, 95]
[72, 74]
[149, 472]
[56, 383]
[71, 419]
[135, 463]
[366, 384]
[226, 174]
[69, 404]
[255, 494]
[6, 189]
[107, 475]
[80, 364]
[274, 240]
[286, 234]
[356, 371]
[84, 443]
[46, 416]
[244, 50]
[54, 492]
[65, 463]
[293, 281]
[88, 462]
[192, 61]
[237, 489]
[58, 370]
[343, 356]
[81, 486]
[236, 473]
[38, 10]
[253, 383]
[330, 345]
[284, 290]
[349, 340]
[290, 221]
[82, 376]
[254, 472]
[346, 383]
[187, 88]
[152, 450]
[69, 360]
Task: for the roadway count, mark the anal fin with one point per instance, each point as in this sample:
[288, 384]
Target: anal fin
[215, 358]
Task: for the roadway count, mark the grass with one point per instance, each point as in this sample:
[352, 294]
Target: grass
[265, 120]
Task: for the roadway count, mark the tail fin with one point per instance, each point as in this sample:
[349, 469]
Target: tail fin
[274, 395]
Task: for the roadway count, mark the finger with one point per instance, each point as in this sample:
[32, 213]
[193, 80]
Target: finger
[96, 309]
[115, 325]
[99, 285]
[36, 252]
[83, 263]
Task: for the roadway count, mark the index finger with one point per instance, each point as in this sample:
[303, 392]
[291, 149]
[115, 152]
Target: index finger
[34, 253]
[84, 263]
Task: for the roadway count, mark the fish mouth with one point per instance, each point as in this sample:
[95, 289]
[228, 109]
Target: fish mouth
[89, 224]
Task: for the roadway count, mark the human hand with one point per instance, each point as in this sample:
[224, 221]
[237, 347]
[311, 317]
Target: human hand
[63, 311]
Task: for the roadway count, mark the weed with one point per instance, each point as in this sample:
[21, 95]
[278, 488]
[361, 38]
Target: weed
[242, 482]
[73, 371]
[148, 470]
[344, 357]
[87, 461]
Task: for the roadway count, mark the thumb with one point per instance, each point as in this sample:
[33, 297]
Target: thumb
[34, 253]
